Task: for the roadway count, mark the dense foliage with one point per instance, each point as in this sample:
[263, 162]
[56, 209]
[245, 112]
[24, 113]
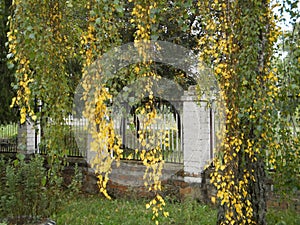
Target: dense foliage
[28, 193]
[7, 114]
[53, 43]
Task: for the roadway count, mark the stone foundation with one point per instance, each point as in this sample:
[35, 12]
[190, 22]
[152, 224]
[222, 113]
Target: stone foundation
[127, 181]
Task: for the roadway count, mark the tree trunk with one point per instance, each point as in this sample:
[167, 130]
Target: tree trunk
[257, 190]
[257, 193]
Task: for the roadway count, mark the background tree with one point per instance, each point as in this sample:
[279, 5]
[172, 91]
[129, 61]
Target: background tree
[284, 161]
[7, 114]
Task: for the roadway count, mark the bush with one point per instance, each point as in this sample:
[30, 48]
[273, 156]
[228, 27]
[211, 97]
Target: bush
[28, 191]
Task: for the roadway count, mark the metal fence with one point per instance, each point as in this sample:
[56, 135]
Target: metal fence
[73, 139]
[163, 133]
[9, 137]
[166, 131]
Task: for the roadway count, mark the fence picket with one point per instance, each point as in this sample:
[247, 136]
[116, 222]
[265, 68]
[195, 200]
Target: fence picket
[9, 138]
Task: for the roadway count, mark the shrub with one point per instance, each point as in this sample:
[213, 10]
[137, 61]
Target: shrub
[29, 191]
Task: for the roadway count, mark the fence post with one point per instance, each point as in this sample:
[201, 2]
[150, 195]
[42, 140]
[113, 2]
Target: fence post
[26, 137]
[196, 136]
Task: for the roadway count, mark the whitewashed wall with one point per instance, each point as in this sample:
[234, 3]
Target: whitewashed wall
[196, 136]
[27, 137]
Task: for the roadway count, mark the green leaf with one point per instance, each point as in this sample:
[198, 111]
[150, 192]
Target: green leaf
[98, 20]
[10, 55]
[21, 157]
[119, 8]
[44, 181]
[154, 37]
[10, 65]
[131, 99]
[32, 36]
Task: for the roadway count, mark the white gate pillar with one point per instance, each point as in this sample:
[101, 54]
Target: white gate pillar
[196, 136]
[28, 138]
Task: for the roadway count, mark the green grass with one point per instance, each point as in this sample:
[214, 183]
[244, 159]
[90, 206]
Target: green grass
[98, 211]
[283, 217]
[95, 210]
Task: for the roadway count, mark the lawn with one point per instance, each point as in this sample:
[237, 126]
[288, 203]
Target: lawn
[98, 211]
